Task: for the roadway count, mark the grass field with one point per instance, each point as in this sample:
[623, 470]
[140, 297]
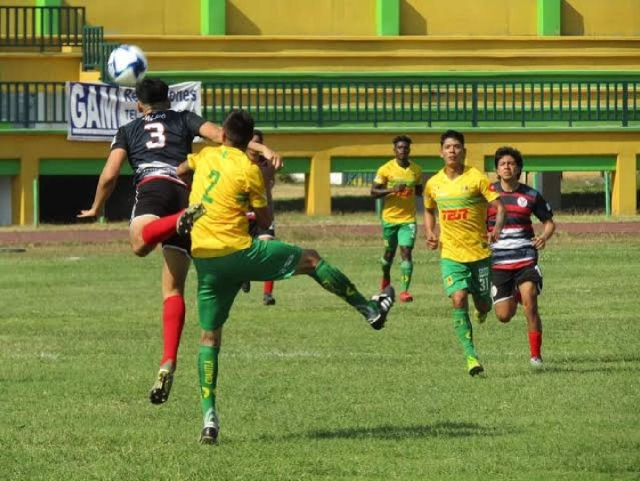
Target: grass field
[307, 390]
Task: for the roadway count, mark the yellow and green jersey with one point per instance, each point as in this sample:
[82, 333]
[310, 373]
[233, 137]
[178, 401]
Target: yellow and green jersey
[462, 212]
[399, 207]
[226, 182]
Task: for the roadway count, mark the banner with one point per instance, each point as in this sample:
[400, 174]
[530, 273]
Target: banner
[96, 110]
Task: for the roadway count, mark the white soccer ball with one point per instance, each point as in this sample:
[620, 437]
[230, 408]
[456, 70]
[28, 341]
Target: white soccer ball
[127, 65]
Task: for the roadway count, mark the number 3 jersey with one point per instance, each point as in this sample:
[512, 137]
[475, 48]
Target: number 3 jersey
[226, 182]
[515, 248]
[158, 142]
[462, 207]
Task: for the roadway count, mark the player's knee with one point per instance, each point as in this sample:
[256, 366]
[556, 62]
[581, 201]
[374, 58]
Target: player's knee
[141, 249]
[504, 317]
[309, 260]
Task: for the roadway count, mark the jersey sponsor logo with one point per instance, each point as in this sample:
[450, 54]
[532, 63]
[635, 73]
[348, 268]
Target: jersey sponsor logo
[454, 214]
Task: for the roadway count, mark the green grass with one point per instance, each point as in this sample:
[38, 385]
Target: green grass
[307, 390]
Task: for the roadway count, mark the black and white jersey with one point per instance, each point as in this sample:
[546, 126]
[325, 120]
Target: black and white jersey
[515, 248]
[158, 143]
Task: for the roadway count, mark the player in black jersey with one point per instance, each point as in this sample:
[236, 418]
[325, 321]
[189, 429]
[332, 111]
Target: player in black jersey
[515, 272]
[155, 144]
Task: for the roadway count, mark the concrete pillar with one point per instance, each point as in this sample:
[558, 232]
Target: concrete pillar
[625, 185]
[318, 185]
[549, 184]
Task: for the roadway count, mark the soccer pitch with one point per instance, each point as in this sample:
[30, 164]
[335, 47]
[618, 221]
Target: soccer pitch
[306, 389]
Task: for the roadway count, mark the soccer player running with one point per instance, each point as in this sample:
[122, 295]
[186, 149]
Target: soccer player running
[398, 183]
[515, 272]
[226, 183]
[269, 177]
[461, 194]
[155, 144]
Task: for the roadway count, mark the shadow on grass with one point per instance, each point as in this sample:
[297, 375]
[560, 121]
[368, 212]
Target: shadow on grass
[446, 429]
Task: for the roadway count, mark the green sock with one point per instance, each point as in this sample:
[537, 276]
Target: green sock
[462, 326]
[208, 374]
[334, 281]
[406, 270]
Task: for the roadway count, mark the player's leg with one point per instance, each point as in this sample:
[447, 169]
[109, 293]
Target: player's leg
[267, 294]
[174, 274]
[390, 240]
[406, 240]
[502, 294]
[457, 279]
[158, 213]
[530, 285]
[216, 293]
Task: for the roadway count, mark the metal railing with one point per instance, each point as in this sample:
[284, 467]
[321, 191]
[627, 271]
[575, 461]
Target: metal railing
[95, 51]
[371, 103]
[41, 27]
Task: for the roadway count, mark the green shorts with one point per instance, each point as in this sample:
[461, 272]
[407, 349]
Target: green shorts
[475, 277]
[220, 278]
[394, 235]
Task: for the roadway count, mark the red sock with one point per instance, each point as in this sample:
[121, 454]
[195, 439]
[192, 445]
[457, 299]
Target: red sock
[268, 287]
[535, 343]
[173, 312]
[160, 229]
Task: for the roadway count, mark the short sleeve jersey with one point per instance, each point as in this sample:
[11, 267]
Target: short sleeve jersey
[158, 142]
[514, 249]
[462, 213]
[227, 183]
[399, 207]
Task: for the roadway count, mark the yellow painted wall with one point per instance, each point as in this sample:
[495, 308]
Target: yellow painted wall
[168, 17]
[296, 17]
[321, 147]
[468, 17]
[17, 3]
[601, 17]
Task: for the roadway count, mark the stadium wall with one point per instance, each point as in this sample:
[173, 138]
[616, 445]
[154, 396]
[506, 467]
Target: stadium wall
[357, 17]
[320, 153]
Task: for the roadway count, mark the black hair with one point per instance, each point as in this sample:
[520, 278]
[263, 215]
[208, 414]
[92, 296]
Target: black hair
[402, 138]
[151, 91]
[259, 134]
[452, 134]
[238, 127]
[506, 150]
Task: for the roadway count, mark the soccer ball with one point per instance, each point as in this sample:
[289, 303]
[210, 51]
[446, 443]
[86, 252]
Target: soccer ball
[127, 65]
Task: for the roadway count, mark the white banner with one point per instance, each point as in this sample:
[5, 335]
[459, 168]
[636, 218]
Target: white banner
[96, 111]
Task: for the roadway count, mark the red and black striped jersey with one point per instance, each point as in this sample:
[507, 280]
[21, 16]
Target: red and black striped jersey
[515, 248]
[158, 143]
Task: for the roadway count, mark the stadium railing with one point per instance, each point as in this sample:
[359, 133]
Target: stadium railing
[41, 27]
[407, 101]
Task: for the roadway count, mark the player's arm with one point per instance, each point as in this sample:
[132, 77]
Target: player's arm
[106, 182]
[549, 227]
[380, 190]
[184, 170]
[501, 215]
[430, 226]
[419, 188]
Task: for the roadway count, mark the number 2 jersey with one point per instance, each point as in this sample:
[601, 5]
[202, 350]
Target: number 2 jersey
[158, 142]
[514, 249]
[227, 183]
[462, 208]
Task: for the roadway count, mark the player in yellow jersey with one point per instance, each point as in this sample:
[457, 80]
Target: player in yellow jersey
[398, 183]
[226, 183]
[461, 194]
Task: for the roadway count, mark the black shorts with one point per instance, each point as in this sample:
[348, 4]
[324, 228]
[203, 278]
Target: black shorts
[160, 197]
[504, 283]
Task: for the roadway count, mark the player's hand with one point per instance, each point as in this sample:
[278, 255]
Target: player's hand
[432, 241]
[274, 158]
[539, 243]
[87, 213]
[399, 187]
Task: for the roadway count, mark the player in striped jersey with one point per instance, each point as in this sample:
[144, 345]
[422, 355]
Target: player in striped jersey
[461, 194]
[515, 272]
